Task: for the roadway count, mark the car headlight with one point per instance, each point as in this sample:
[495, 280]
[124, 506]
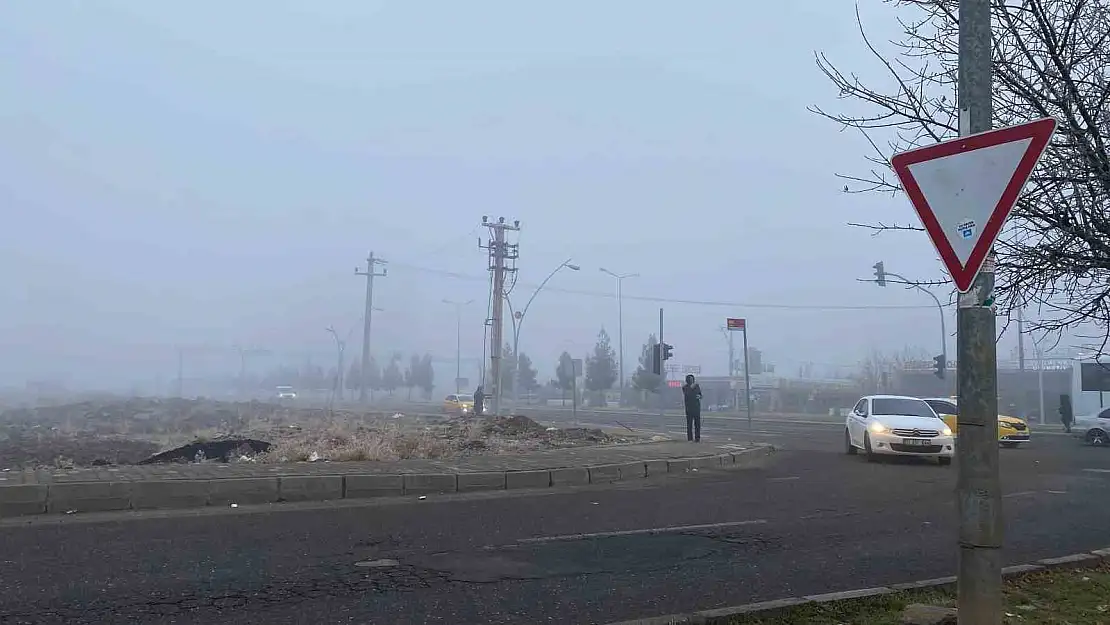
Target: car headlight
[878, 428]
[947, 431]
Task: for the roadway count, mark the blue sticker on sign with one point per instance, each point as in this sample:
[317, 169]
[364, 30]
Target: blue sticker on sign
[966, 228]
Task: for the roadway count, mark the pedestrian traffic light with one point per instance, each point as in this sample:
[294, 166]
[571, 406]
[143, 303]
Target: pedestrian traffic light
[880, 273]
[939, 365]
[656, 360]
[668, 351]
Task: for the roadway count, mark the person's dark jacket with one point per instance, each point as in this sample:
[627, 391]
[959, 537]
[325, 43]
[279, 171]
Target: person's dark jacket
[479, 400]
[1067, 417]
[691, 398]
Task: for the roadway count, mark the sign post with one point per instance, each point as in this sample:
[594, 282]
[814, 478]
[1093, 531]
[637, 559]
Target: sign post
[741, 325]
[963, 190]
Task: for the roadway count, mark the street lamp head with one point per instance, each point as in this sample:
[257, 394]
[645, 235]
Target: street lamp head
[572, 267]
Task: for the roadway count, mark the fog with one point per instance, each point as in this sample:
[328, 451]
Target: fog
[204, 177]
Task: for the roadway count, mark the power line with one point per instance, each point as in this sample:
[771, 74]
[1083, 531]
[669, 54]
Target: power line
[671, 300]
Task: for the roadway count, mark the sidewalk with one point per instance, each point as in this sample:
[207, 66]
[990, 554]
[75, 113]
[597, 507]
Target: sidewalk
[137, 487]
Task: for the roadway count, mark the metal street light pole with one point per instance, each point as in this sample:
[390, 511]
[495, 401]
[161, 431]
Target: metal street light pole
[458, 338]
[620, 320]
[518, 320]
[341, 348]
[940, 307]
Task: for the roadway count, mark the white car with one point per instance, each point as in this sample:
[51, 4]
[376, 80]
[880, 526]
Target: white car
[897, 426]
[286, 392]
[1094, 429]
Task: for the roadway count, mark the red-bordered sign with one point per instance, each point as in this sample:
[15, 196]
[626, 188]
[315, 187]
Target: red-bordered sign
[964, 189]
[735, 324]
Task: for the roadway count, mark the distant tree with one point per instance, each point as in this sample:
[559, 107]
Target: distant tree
[601, 366]
[373, 377]
[353, 376]
[426, 379]
[564, 374]
[412, 375]
[645, 379]
[528, 373]
[392, 378]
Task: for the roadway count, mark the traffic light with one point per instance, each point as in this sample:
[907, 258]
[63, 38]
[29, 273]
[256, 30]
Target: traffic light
[656, 361]
[668, 351]
[939, 365]
[880, 273]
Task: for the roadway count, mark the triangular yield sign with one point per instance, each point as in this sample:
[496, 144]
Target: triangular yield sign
[964, 189]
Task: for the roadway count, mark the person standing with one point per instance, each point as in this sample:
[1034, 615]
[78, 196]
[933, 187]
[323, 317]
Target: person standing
[1066, 415]
[479, 401]
[691, 400]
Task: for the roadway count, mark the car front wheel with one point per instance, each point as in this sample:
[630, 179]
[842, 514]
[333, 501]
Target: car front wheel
[871, 455]
[1097, 438]
[944, 461]
[849, 447]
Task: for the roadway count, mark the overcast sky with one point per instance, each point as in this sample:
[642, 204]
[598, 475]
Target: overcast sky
[207, 174]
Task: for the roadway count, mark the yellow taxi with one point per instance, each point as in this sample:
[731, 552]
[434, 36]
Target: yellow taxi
[458, 405]
[1012, 431]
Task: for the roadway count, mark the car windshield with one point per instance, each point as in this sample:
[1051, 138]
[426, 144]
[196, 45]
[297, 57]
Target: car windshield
[942, 407]
[901, 406]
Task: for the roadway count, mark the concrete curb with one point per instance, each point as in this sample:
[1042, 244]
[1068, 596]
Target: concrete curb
[70, 497]
[722, 616]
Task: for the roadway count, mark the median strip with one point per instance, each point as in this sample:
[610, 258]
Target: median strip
[313, 484]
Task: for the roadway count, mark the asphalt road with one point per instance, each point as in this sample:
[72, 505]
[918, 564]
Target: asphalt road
[814, 520]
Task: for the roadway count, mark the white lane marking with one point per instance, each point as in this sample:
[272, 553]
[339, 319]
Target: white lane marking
[653, 530]
[1057, 492]
[1097, 470]
[1024, 493]
[784, 479]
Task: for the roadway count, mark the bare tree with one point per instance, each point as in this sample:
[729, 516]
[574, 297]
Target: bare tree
[1051, 58]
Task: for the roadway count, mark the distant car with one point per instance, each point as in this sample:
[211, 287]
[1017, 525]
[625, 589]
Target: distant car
[1012, 431]
[898, 426]
[286, 392]
[457, 404]
[1094, 430]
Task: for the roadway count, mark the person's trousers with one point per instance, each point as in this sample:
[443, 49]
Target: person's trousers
[693, 426]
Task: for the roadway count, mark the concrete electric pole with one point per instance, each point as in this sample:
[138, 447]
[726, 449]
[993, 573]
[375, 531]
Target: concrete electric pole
[978, 491]
[499, 253]
[367, 313]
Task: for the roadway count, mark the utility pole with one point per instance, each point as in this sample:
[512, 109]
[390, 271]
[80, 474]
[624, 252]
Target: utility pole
[458, 339]
[367, 313]
[499, 252]
[978, 491]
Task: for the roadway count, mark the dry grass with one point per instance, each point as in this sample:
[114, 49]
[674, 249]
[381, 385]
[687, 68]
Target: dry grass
[130, 430]
[349, 442]
[1055, 597]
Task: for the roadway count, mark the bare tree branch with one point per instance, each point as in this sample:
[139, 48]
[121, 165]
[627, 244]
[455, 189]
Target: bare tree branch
[1051, 58]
